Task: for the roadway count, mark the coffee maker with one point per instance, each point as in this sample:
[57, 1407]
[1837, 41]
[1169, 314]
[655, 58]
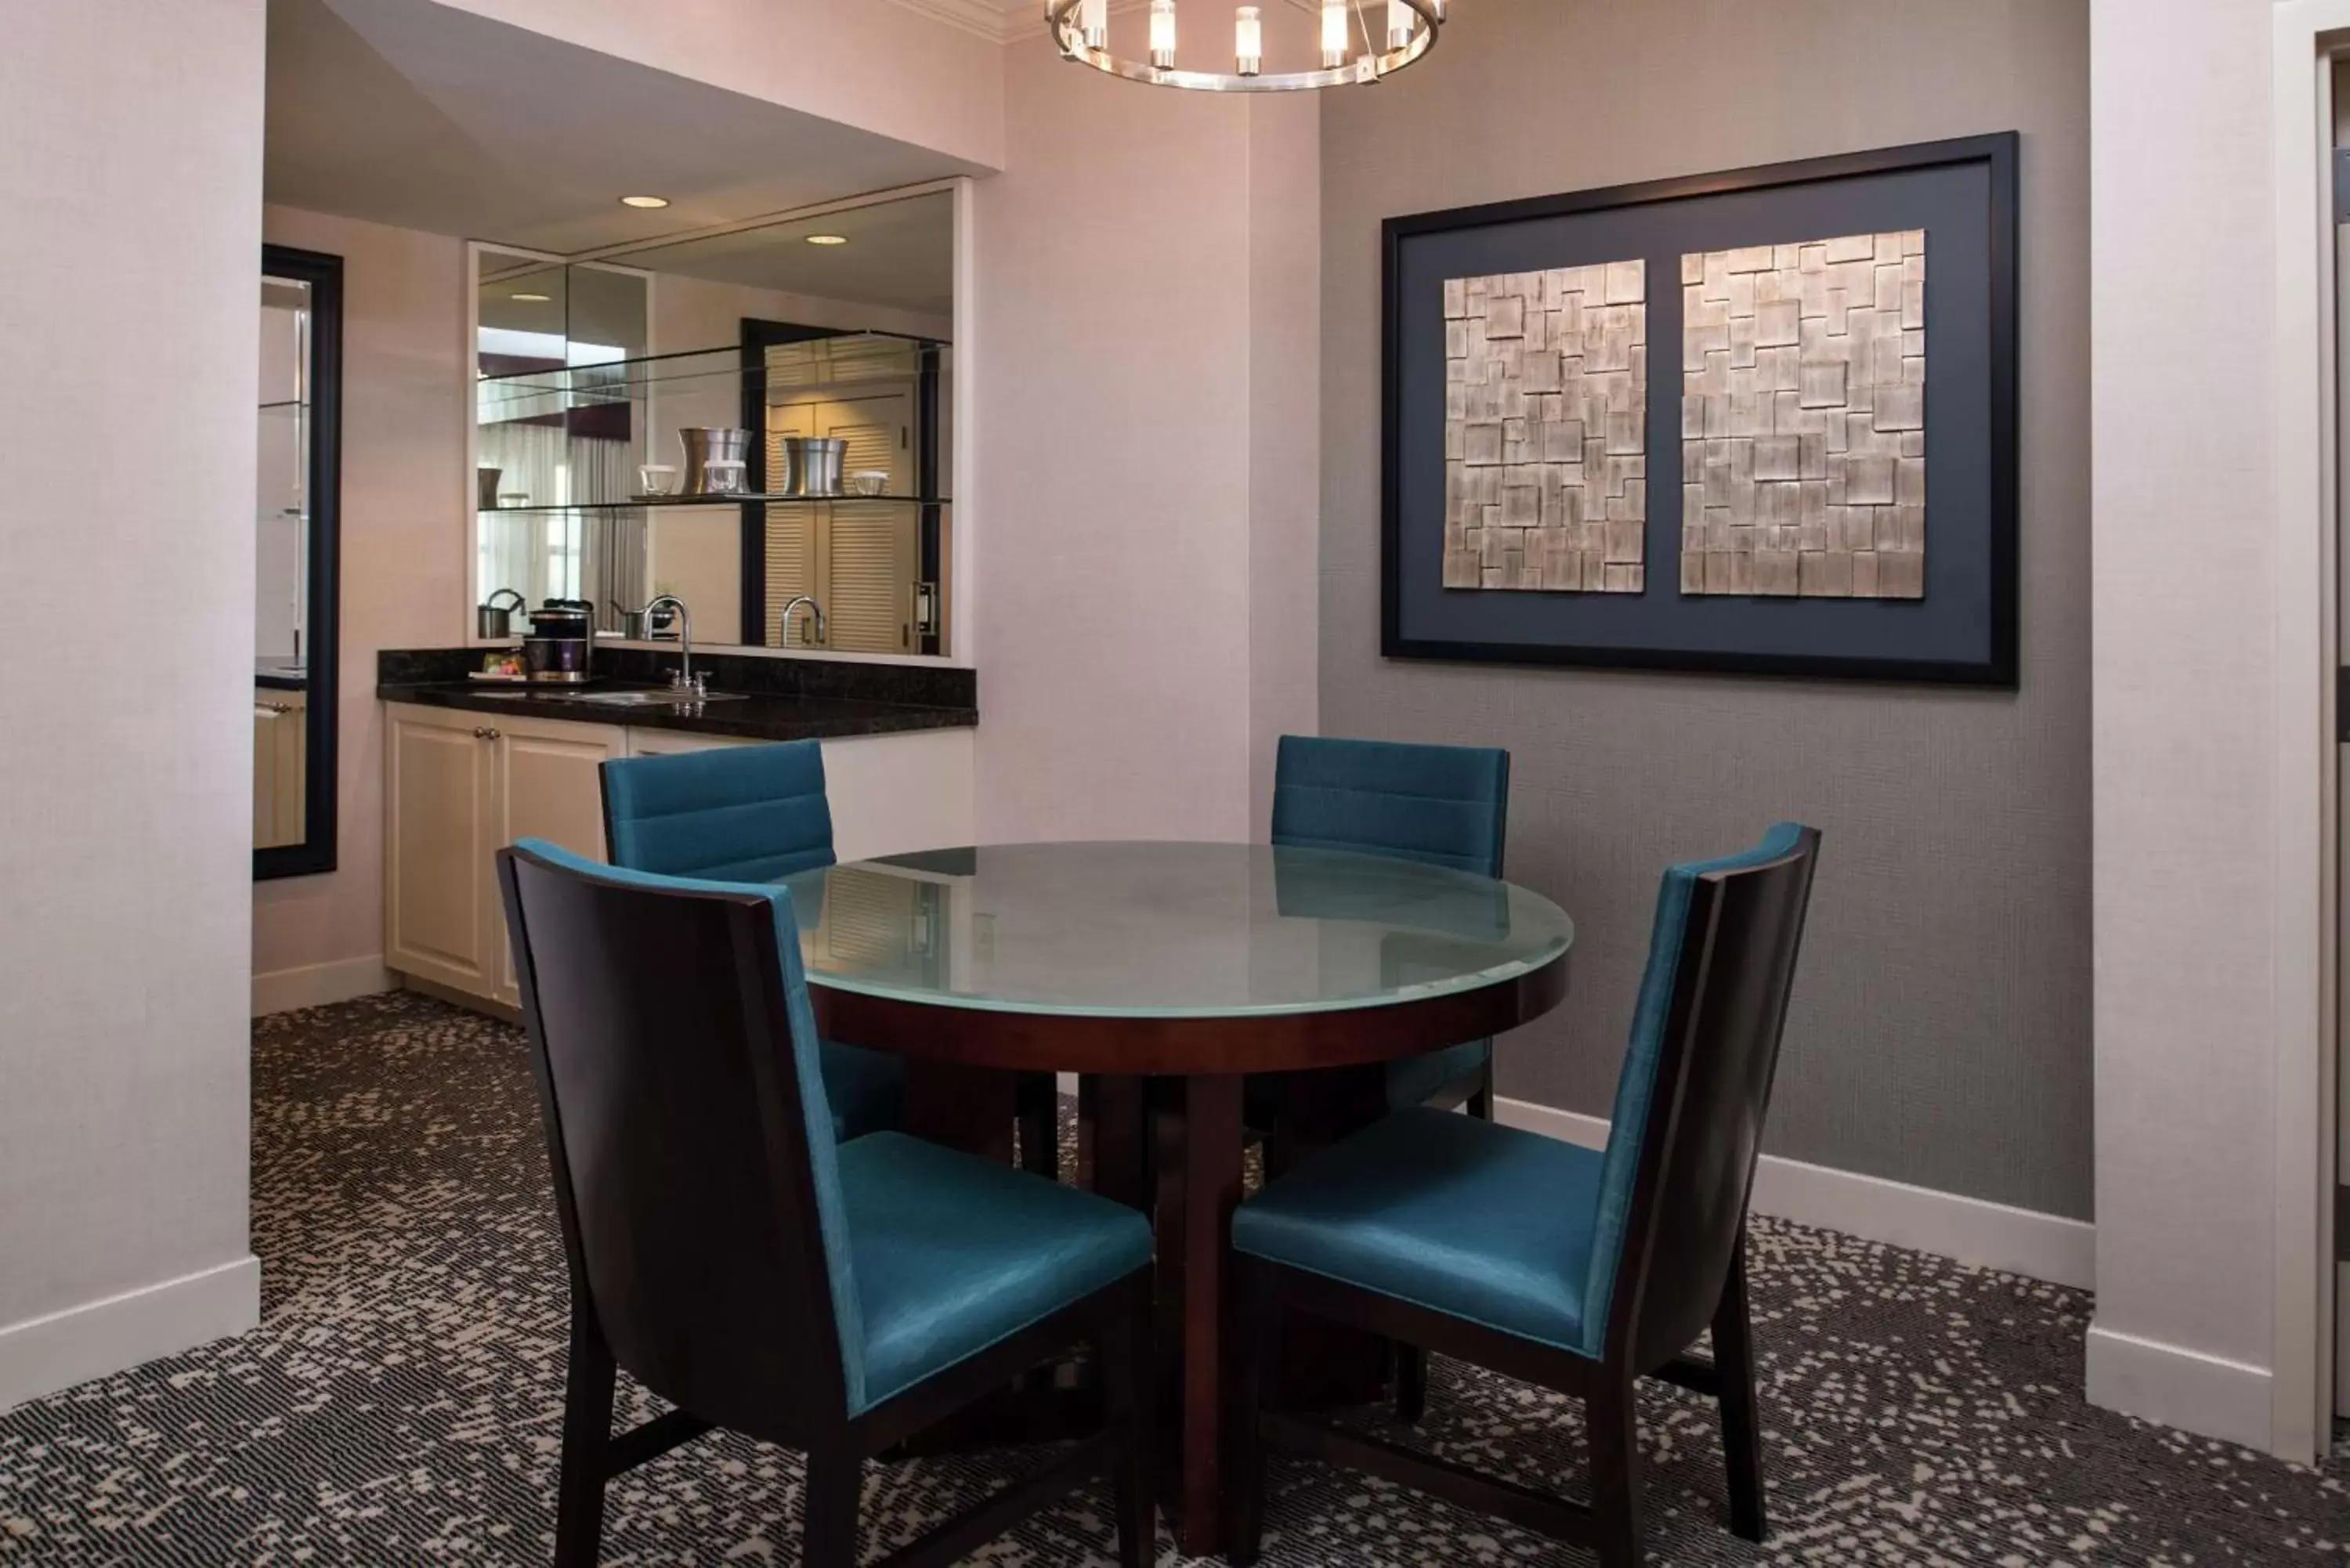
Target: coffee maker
[561, 642]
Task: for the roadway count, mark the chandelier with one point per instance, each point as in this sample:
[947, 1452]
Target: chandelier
[1350, 53]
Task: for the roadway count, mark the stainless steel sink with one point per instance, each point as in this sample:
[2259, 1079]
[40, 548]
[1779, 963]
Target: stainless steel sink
[654, 699]
[657, 697]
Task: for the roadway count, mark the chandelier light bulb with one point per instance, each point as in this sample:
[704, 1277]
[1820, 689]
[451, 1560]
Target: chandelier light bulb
[1162, 33]
[1080, 28]
[1334, 33]
[1248, 41]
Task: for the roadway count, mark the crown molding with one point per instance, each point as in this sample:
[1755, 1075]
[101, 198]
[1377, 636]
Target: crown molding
[984, 18]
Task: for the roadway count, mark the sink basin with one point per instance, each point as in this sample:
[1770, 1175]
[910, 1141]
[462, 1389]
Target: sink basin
[662, 697]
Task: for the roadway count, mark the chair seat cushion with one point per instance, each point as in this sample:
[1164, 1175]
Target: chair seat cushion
[1447, 1211]
[863, 1087]
[953, 1253]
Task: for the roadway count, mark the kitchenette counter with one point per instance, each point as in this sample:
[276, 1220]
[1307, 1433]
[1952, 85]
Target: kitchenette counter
[762, 717]
[469, 767]
[766, 698]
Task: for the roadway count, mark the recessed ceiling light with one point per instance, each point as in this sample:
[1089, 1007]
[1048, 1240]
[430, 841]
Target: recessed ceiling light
[644, 200]
[827, 239]
[529, 298]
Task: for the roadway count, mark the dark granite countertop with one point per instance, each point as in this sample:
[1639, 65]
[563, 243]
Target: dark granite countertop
[755, 717]
[776, 699]
[280, 675]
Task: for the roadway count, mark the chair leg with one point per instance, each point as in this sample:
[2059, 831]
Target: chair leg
[1256, 1345]
[587, 1430]
[835, 1478]
[1741, 1434]
[1410, 1382]
[1612, 1418]
[1130, 1374]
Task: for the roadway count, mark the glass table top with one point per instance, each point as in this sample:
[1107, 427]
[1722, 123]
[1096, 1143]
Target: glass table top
[1165, 929]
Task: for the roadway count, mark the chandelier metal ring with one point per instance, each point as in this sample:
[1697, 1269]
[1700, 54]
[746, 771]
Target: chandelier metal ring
[1062, 18]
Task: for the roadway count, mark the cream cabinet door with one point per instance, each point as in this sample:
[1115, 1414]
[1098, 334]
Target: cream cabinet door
[546, 784]
[437, 848]
[280, 759]
[266, 725]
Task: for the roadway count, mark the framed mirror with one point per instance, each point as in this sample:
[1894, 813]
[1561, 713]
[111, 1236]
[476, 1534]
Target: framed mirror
[298, 529]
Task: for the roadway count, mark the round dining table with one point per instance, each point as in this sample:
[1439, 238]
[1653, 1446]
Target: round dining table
[1193, 964]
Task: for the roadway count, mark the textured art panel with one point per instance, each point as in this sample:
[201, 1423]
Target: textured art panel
[1804, 418]
[1546, 430]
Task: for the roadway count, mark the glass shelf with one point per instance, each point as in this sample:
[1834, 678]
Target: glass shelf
[839, 359]
[637, 503]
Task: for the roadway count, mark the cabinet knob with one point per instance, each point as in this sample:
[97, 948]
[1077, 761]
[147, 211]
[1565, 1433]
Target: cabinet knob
[493, 735]
[480, 733]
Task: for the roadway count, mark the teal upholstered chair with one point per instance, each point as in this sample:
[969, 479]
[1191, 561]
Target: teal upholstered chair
[1446, 806]
[1582, 1269]
[756, 1271]
[747, 813]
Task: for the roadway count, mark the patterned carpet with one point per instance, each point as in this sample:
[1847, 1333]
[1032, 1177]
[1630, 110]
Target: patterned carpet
[399, 1402]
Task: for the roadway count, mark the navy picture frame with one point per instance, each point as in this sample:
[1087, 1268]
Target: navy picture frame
[1965, 637]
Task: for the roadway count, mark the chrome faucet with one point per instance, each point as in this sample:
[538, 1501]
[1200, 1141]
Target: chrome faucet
[816, 609]
[684, 678]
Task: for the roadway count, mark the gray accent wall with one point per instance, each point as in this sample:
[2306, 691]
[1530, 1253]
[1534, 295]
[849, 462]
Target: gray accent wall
[1940, 1028]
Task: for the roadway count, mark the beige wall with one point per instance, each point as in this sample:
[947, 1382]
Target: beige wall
[2186, 690]
[1133, 314]
[405, 508]
[1939, 1034]
[1285, 416]
[130, 172]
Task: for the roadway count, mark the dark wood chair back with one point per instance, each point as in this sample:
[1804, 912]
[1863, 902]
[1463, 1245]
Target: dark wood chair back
[691, 1150]
[1703, 1131]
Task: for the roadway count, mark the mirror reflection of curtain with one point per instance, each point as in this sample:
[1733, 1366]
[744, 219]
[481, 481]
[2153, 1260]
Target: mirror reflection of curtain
[545, 554]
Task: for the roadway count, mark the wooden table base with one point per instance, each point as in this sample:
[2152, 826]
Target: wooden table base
[1173, 1148]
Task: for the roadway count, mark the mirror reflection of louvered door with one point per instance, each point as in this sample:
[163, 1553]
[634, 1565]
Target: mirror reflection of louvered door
[858, 560]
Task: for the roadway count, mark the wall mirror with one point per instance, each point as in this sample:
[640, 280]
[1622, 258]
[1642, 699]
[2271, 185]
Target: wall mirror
[761, 432]
[297, 484]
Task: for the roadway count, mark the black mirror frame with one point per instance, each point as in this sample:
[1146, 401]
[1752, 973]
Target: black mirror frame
[316, 852]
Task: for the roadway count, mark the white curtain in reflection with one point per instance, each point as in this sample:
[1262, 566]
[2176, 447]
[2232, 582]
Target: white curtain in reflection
[561, 554]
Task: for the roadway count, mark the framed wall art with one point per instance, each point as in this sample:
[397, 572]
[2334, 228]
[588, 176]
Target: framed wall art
[1761, 421]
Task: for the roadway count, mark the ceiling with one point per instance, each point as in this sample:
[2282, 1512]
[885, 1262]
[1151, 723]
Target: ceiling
[899, 254]
[420, 115]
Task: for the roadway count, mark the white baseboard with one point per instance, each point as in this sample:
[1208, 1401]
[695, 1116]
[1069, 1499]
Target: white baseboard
[2175, 1387]
[315, 985]
[1986, 1235]
[43, 1355]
